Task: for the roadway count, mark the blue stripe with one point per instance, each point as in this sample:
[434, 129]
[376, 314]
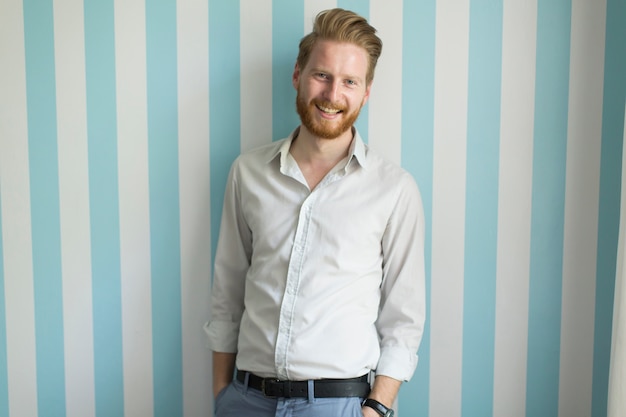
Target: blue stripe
[481, 211]
[45, 210]
[287, 30]
[418, 114]
[610, 195]
[361, 7]
[4, 381]
[224, 101]
[161, 56]
[548, 207]
[104, 207]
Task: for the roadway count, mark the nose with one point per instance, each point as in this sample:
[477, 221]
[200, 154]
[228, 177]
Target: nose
[332, 91]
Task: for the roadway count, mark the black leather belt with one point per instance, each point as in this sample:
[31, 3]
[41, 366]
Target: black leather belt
[323, 388]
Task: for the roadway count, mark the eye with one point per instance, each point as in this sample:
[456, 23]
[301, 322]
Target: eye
[351, 83]
[322, 75]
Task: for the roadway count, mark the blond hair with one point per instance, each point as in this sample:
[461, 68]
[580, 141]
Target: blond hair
[342, 26]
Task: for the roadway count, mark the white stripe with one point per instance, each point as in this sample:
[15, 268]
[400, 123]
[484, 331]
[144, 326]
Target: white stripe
[581, 207]
[448, 223]
[16, 226]
[312, 8]
[74, 207]
[132, 148]
[195, 214]
[385, 115]
[514, 207]
[256, 73]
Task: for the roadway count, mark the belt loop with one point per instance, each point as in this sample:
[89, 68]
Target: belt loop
[311, 390]
[246, 381]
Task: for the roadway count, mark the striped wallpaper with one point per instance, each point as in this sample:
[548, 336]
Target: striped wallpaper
[119, 120]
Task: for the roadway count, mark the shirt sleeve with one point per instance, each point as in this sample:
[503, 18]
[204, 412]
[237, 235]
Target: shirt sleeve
[232, 260]
[401, 318]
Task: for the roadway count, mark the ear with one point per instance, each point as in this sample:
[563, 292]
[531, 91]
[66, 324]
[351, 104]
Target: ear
[295, 79]
[368, 89]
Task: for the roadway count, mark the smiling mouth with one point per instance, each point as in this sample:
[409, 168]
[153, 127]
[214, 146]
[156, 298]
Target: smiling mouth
[328, 110]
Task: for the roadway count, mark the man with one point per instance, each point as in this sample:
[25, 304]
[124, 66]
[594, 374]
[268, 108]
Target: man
[319, 271]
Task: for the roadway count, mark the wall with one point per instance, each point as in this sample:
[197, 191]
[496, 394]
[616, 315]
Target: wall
[119, 120]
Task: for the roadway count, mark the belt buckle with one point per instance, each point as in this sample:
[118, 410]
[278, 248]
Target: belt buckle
[264, 386]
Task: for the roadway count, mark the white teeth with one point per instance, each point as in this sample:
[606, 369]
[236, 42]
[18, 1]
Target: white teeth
[327, 110]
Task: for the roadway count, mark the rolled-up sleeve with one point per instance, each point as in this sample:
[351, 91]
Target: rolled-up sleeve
[232, 260]
[400, 323]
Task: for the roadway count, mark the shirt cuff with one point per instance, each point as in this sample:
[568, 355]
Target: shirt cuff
[397, 362]
[222, 336]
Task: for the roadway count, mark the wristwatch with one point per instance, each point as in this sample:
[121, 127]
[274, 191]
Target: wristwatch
[378, 407]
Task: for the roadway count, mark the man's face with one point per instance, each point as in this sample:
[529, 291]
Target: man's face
[331, 88]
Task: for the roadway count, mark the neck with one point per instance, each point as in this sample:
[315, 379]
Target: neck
[316, 156]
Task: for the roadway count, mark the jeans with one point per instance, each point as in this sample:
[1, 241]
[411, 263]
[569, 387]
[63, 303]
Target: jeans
[237, 400]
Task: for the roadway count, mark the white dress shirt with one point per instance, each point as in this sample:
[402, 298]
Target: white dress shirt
[322, 283]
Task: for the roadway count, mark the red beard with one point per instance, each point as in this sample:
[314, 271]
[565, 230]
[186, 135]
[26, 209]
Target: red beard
[325, 129]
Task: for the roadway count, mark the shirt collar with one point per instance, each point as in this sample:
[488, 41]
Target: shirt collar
[358, 149]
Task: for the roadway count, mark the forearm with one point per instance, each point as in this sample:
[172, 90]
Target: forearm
[223, 369]
[385, 390]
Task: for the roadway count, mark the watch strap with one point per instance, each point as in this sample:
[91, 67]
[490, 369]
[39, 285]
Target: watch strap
[378, 407]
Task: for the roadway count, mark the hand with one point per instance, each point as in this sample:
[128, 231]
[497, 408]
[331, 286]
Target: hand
[218, 389]
[369, 412]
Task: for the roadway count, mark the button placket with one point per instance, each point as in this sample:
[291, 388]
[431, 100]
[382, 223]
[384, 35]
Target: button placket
[288, 306]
